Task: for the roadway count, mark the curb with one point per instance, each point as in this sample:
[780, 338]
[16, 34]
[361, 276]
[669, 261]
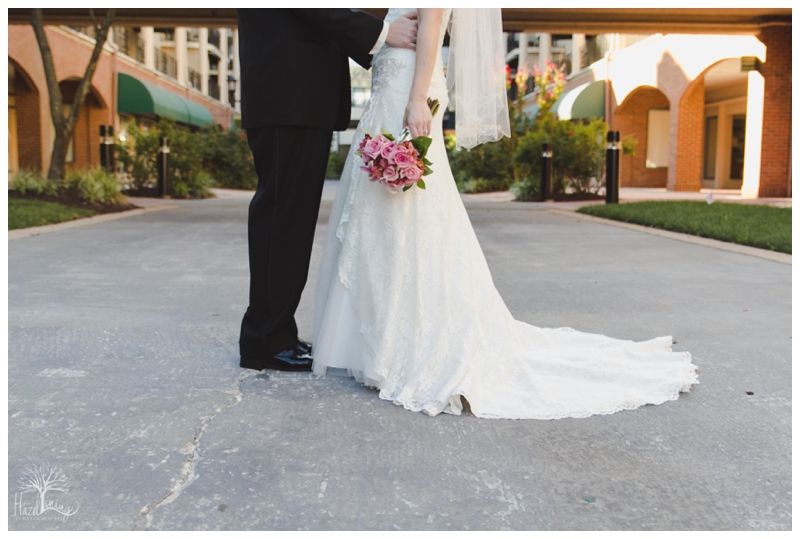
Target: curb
[774, 256]
[56, 227]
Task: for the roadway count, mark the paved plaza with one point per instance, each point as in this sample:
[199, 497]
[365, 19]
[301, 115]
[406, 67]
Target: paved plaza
[124, 373]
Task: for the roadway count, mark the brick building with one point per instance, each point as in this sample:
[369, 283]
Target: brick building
[707, 111]
[143, 73]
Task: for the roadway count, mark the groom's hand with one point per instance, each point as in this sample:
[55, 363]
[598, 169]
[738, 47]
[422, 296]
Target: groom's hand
[403, 32]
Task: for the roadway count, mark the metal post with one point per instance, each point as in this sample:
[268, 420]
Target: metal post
[547, 170]
[163, 168]
[107, 148]
[612, 168]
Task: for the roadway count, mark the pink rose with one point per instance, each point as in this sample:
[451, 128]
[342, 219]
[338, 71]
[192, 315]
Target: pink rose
[391, 174]
[402, 158]
[388, 151]
[374, 146]
[411, 173]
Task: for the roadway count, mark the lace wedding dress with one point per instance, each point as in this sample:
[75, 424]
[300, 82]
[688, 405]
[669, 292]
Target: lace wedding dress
[405, 300]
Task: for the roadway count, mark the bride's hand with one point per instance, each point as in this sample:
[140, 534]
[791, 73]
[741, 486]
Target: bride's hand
[418, 118]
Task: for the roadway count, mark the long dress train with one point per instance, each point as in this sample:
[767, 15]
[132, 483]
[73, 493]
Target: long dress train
[406, 303]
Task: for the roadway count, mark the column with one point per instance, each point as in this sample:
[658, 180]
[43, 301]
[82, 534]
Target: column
[545, 40]
[776, 143]
[523, 49]
[148, 34]
[237, 72]
[203, 51]
[222, 76]
[751, 178]
[578, 43]
[181, 55]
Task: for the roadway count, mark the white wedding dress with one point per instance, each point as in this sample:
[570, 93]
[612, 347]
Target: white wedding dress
[405, 300]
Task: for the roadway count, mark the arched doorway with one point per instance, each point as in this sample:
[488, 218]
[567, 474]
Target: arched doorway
[724, 124]
[24, 128]
[644, 117]
[84, 147]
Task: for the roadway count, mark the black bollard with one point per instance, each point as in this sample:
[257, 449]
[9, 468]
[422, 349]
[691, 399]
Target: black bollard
[547, 170]
[612, 168]
[163, 167]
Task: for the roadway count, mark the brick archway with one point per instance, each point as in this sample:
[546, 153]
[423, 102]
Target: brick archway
[631, 119]
[27, 113]
[94, 113]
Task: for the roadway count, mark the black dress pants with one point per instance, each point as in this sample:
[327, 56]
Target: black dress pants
[291, 163]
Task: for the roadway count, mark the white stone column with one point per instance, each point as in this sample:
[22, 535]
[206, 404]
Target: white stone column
[147, 34]
[545, 40]
[578, 42]
[237, 72]
[752, 134]
[181, 55]
[202, 37]
[523, 49]
[222, 76]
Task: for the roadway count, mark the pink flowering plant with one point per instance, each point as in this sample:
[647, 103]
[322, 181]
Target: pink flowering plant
[398, 163]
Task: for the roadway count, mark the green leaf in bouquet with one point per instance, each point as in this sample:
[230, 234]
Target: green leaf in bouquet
[426, 162]
[427, 171]
[422, 144]
[420, 184]
[406, 188]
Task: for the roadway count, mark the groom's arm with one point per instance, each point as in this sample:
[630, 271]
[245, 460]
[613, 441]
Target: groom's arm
[357, 32]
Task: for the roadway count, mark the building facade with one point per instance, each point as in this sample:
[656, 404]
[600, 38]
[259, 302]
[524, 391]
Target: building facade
[144, 73]
[705, 111]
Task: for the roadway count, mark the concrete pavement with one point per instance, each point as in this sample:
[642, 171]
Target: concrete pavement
[123, 372]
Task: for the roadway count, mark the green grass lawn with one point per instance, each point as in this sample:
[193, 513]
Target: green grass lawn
[23, 213]
[761, 226]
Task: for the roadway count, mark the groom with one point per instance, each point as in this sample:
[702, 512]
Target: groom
[295, 93]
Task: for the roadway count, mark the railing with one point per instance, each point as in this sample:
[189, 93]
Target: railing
[129, 43]
[213, 89]
[166, 63]
[195, 79]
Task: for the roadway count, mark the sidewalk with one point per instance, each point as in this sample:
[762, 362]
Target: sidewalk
[123, 372]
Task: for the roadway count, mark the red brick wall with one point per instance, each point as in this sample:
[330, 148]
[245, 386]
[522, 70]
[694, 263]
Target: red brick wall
[631, 119]
[28, 122]
[688, 155]
[776, 142]
[71, 55]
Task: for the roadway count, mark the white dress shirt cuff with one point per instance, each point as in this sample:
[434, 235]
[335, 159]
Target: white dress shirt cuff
[381, 38]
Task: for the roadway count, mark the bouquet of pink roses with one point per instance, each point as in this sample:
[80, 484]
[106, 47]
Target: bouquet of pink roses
[397, 163]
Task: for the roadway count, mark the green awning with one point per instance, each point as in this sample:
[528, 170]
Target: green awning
[581, 103]
[139, 97]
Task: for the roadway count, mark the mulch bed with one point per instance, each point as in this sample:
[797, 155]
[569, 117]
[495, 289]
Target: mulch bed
[71, 197]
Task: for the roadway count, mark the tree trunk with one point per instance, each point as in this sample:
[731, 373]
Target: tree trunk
[64, 127]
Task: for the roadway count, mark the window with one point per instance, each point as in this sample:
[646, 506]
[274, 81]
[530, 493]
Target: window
[737, 146]
[657, 138]
[710, 149]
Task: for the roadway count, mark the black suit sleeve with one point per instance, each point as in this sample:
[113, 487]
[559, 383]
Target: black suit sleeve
[354, 30]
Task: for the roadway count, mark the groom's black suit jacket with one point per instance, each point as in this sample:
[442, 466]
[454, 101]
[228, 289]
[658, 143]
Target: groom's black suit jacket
[294, 66]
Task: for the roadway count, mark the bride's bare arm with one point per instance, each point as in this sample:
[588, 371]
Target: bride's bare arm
[418, 115]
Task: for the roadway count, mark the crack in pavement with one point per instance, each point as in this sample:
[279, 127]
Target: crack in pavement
[187, 472]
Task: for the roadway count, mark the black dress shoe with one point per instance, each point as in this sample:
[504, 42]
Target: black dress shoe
[305, 347]
[291, 359]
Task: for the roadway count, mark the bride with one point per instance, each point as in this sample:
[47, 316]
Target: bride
[405, 300]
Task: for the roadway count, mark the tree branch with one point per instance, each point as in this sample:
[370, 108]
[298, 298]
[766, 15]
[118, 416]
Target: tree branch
[49, 70]
[86, 82]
